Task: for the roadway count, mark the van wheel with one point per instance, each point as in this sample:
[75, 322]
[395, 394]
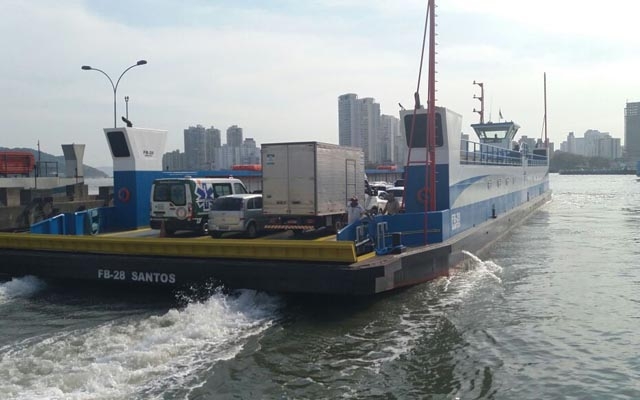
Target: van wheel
[252, 231]
[374, 210]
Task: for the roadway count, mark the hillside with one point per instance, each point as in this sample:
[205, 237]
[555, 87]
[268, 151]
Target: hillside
[89, 172]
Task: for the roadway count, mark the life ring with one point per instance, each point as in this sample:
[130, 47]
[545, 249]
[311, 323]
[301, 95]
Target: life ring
[124, 195]
[421, 196]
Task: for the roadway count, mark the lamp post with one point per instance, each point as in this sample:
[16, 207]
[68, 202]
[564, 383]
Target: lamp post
[126, 104]
[114, 87]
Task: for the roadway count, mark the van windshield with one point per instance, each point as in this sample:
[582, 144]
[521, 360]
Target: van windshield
[173, 192]
[227, 204]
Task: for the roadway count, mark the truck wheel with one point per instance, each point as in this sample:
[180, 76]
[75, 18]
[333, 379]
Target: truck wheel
[374, 210]
[215, 234]
[337, 225]
[252, 231]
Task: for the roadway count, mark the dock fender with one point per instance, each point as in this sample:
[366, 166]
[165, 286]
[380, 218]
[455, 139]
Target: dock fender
[124, 195]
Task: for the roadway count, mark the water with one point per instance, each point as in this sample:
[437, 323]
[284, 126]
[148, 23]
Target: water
[551, 312]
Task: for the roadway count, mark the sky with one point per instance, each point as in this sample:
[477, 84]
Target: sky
[276, 68]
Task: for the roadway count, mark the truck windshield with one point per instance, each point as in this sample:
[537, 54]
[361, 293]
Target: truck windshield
[227, 204]
[173, 192]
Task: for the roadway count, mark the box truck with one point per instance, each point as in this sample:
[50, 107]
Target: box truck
[307, 185]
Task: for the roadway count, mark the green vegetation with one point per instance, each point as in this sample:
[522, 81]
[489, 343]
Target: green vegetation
[567, 161]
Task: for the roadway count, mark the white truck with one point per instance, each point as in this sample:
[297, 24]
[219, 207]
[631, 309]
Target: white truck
[307, 185]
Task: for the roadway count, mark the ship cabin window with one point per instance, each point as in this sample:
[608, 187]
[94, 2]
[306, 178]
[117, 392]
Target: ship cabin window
[118, 144]
[420, 130]
[492, 135]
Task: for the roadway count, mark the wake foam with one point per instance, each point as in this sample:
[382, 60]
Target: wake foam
[136, 358]
[20, 288]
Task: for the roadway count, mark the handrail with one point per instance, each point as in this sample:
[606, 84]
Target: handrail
[486, 154]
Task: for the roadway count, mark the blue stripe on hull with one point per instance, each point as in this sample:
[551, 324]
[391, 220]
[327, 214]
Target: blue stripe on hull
[442, 225]
[474, 214]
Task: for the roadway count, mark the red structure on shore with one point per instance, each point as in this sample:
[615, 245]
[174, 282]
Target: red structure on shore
[16, 163]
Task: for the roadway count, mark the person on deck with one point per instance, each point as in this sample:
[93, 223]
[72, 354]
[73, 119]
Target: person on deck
[354, 210]
[393, 205]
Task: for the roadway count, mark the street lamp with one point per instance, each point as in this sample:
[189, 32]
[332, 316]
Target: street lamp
[115, 87]
[126, 104]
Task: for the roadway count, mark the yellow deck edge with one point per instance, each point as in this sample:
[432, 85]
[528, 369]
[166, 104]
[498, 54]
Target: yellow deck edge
[285, 250]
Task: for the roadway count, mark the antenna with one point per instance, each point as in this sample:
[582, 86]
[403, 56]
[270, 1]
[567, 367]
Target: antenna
[481, 98]
[546, 138]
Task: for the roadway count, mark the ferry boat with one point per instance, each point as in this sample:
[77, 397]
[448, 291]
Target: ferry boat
[460, 197]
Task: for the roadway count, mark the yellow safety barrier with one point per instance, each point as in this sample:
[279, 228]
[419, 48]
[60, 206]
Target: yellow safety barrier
[285, 250]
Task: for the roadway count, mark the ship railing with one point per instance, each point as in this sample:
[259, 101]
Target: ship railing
[486, 154]
[537, 159]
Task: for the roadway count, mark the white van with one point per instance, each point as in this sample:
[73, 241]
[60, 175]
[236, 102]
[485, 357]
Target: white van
[184, 203]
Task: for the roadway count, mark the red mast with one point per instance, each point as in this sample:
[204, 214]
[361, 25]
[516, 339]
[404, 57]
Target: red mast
[431, 104]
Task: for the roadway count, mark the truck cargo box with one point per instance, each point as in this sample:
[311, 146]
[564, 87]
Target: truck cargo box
[310, 178]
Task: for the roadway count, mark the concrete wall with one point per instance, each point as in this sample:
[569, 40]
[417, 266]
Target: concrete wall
[9, 197]
[20, 208]
[47, 182]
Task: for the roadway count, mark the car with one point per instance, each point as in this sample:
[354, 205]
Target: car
[238, 213]
[398, 183]
[375, 203]
[379, 186]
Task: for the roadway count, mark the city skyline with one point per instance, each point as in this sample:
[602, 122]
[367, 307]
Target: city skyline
[276, 69]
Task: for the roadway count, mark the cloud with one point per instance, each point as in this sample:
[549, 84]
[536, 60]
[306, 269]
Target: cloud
[277, 68]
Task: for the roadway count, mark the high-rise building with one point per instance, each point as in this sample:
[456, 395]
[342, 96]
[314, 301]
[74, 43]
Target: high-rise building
[632, 133]
[249, 153]
[234, 136]
[361, 125]
[173, 161]
[370, 130]
[199, 147]
[212, 142]
[195, 147]
[390, 143]
[348, 117]
[214, 138]
[593, 144]
[203, 150]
